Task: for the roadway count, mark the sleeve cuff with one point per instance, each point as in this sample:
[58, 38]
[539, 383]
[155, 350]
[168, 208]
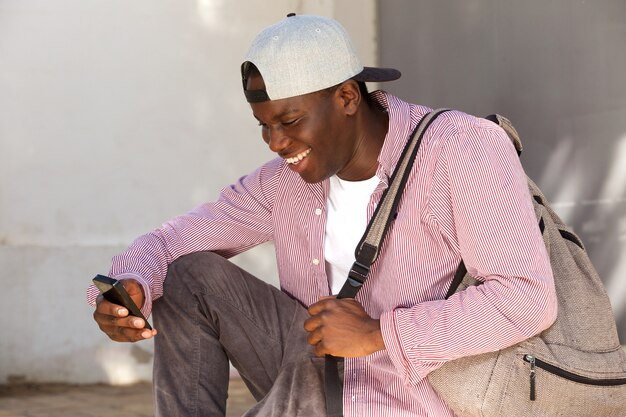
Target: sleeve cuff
[411, 373]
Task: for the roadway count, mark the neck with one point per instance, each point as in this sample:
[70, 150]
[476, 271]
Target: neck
[372, 124]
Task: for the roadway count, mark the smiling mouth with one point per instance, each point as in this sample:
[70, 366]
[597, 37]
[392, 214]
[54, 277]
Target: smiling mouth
[296, 159]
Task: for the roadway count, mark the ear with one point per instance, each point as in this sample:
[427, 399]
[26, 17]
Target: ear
[349, 96]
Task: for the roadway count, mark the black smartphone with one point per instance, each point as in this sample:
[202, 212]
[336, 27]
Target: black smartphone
[113, 291]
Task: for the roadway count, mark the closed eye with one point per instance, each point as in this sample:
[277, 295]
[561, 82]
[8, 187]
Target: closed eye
[290, 122]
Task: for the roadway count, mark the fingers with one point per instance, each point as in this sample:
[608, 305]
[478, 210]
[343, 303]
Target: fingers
[315, 339]
[321, 305]
[320, 313]
[120, 333]
[333, 305]
[115, 322]
[322, 346]
[108, 308]
[342, 328]
[313, 323]
[326, 310]
[126, 334]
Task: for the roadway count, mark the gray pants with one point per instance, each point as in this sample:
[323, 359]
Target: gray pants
[212, 312]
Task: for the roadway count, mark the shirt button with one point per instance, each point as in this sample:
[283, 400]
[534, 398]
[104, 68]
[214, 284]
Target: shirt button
[354, 398]
[318, 211]
[316, 261]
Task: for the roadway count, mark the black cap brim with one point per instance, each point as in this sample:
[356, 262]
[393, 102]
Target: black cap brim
[374, 74]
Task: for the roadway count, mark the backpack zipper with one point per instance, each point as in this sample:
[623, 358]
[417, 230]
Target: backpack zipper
[538, 363]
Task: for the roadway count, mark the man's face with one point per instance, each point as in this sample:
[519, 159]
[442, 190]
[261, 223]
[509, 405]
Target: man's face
[311, 132]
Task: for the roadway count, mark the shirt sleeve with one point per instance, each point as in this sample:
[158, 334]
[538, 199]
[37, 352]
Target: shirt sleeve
[241, 218]
[480, 201]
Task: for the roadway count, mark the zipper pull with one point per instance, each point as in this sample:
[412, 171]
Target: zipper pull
[531, 360]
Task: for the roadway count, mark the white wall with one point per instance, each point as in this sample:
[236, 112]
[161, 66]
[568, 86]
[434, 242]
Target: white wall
[114, 116]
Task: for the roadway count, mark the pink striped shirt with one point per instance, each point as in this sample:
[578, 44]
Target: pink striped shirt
[466, 198]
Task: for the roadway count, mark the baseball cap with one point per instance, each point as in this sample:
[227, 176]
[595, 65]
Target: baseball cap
[302, 54]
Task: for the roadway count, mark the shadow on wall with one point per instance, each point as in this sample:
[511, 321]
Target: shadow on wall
[586, 181]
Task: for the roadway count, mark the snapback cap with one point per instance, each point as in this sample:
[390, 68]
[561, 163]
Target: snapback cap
[303, 54]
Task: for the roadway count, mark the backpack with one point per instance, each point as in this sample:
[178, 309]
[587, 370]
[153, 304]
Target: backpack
[577, 367]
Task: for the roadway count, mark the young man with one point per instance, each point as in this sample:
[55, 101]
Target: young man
[337, 146]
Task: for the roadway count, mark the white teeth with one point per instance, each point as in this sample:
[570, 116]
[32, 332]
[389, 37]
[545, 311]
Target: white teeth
[296, 159]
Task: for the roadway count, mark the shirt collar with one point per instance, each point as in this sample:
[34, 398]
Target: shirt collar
[403, 117]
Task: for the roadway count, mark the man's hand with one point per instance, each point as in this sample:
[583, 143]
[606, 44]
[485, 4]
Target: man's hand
[342, 328]
[114, 320]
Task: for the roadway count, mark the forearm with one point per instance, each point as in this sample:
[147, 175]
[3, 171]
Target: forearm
[239, 220]
[480, 319]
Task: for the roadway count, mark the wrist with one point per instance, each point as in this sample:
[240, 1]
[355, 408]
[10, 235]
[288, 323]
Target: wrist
[378, 343]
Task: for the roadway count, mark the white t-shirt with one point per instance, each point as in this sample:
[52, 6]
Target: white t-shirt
[345, 224]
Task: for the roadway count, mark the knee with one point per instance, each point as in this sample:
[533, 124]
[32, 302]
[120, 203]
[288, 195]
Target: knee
[199, 271]
[193, 262]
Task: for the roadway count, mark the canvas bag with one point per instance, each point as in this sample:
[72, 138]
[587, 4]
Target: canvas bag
[576, 367]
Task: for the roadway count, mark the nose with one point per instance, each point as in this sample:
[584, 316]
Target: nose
[275, 138]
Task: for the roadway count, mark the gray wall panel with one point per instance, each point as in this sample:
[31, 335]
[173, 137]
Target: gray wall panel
[557, 69]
